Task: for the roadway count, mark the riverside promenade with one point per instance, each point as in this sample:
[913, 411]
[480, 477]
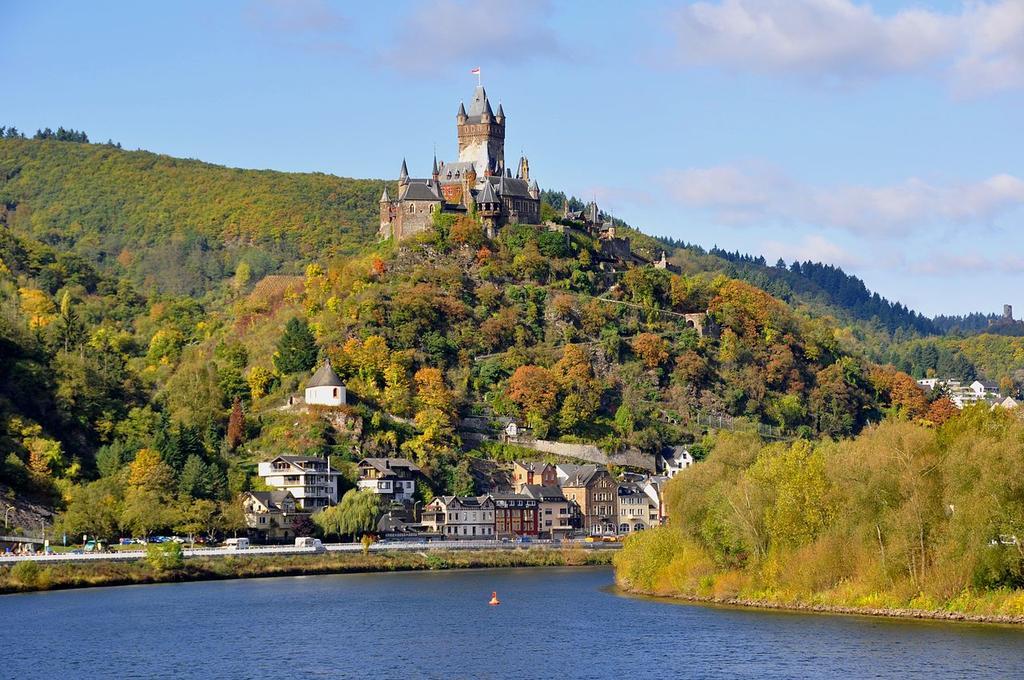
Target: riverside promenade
[268, 550]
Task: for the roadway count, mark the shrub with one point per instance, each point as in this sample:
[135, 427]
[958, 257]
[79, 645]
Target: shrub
[165, 556]
[27, 573]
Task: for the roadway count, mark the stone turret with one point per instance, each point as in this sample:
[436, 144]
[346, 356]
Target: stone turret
[534, 190]
[499, 117]
[403, 180]
[524, 168]
[488, 206]
[461, 116]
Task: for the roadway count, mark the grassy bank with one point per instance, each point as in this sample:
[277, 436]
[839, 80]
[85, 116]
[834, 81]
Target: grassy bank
[20, 578]
[666, 563]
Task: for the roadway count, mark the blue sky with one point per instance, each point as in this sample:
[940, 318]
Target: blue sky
[884, 137]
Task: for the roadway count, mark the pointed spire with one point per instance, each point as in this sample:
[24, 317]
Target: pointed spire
[404, 174]
[501, 113]
[488, 114]
[435, 163]
[384, 198]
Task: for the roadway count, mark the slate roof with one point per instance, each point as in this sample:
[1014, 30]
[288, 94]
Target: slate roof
[544, 493]
[388, 464]
[487, 195]
[325, 377]
[421, 190]
[272, 500]
[508, 186]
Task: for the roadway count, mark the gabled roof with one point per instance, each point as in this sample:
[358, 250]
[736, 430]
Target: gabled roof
[272, 500]
[325, 377]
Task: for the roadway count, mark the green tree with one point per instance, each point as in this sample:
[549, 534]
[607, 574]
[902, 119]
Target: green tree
[296, 350]
[355, 515]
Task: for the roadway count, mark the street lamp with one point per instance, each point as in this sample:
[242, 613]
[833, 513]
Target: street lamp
[6, 514]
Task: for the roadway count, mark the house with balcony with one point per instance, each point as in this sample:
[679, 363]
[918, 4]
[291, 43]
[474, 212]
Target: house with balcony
[459, 517]
[310, 480]
[557, 516]
[394, 478]
[270, 515]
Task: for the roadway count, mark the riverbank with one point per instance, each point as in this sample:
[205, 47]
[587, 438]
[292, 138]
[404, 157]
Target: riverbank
[663, 563]
[842, 610]
[63, 575]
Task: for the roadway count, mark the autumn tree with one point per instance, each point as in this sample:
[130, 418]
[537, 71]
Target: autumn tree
[535, 390]
[236, 426]
[651, 349]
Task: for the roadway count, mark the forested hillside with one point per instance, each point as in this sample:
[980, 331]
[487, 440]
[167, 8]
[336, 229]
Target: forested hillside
[175, 225]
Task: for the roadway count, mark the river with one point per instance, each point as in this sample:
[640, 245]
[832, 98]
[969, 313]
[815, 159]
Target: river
[552, 623]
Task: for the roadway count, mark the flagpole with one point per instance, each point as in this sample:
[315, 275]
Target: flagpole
[478, 83]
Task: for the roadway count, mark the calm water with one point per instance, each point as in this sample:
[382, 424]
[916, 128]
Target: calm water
[553, 623]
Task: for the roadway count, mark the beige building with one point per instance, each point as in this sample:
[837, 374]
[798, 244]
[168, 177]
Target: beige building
[635, 510]
[270, 514]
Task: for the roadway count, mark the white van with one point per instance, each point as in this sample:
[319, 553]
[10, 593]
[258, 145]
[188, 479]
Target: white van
[237, 543]
[309, 542]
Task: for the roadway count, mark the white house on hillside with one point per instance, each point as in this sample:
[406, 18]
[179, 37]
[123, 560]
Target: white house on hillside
[325, 387]
[678, 458]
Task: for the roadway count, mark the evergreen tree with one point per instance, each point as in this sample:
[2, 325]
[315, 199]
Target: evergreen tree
[296, 350]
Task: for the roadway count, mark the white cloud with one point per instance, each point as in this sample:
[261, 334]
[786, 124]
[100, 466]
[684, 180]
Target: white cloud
[739, 195]
[442, 33]
[981, 48]
[813, 247]
[946, 264]
[309, 24]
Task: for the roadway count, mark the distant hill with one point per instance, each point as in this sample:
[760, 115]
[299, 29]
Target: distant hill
[178, 225]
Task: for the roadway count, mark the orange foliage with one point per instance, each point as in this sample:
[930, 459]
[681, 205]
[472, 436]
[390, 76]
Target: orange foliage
[534, 389]
[651, 349]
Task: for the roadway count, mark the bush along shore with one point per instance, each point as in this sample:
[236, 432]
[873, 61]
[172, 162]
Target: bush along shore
[664, 563]
[168, 568]
[906, 519]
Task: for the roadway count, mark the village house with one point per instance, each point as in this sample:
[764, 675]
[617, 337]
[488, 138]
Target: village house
[557, 517]
[325, 388]
[311, 481]
[460, 517]
[654, 487]
[634, 509]
[515, 515]
[963, 395]
[593, 490]
[270, 514]
[524, 473]
[394, 478]
[675, 460]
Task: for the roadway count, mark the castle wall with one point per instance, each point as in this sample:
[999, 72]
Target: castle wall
[413, 217]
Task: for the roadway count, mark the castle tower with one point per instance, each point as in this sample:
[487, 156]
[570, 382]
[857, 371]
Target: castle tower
[524, 169]
[435, 173]
[385, 215]
[403, 180]
[481, 133]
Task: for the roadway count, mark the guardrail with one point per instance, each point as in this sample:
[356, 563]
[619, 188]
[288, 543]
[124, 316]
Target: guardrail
[378, 547]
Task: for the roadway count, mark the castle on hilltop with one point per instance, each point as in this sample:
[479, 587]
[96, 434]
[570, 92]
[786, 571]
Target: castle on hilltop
[479, 181]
